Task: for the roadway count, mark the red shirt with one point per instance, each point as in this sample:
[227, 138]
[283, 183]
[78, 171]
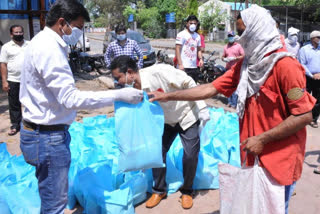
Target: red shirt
[283, 159]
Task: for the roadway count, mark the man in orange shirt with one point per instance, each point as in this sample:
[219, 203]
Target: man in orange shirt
[273, 104]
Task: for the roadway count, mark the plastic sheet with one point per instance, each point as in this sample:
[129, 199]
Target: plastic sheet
[94, 178]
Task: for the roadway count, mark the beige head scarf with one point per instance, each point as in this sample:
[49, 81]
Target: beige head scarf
[259, 38]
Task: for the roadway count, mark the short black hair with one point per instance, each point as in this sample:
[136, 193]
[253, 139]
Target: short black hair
[120, 28]
[239, 16]
[192, 18]
[123, 63]
[70, 10]
[14, 26]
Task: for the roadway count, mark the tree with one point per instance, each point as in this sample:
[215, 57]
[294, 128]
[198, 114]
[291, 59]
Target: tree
[192, 8]
[212, 16]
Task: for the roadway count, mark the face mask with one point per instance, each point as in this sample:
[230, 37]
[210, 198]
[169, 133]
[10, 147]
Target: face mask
[192, 27]
[74, 37]
[121, 37]
[231, 39]
[292, 39]
[129, 85]
[17, 38]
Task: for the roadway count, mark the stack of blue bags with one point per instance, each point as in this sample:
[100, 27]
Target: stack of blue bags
[95, 180]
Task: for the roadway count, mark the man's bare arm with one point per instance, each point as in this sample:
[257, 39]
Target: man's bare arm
[4, 76]
[200, 92]
[285, 129]
[178, 55]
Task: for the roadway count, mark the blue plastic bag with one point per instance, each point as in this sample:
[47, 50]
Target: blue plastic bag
[139, 130]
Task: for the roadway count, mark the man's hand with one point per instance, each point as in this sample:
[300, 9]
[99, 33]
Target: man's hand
[316, 76]
[181, 67]
[129, 95]
[253, 145]
[201, 63]
[158, 96]
[204, 115]
[5, 86]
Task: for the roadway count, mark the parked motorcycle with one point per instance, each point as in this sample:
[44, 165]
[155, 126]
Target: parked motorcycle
[164, 57]
[86, 62]
[210, 70]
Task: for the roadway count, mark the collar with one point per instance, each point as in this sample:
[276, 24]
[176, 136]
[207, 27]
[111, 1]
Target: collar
[127, 40]
[12, 43]
[56, 36]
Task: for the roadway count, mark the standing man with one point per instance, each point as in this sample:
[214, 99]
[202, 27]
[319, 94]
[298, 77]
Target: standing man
[273, 106]
[188, 48]
[309, 57]
[51, 99]
[292, 43]
[11, 59]
[181, 117]
[123, 46]
[232, 53]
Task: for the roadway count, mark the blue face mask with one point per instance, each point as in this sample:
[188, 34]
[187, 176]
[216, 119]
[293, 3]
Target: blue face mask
[231, 39]
[121, 37]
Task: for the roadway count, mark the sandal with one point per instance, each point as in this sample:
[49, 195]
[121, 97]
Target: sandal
[314, 124]
[13, 131]
[317, 170]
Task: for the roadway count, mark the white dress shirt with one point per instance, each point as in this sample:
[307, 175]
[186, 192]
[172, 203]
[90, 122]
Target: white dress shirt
[48, 89]
[168, 78]
[13, 55]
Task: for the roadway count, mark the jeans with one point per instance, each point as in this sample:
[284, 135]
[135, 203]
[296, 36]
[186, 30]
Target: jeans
[49, 152]
[288, 193]
[14, 105]
[191, 147]
[233, 100]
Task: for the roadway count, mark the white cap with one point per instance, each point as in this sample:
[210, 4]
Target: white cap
[292, 31]
[315, 33]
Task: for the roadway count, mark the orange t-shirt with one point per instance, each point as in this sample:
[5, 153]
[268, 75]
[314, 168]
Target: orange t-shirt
[265, 110]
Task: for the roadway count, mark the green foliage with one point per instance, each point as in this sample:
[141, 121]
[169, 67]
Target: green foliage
[149, 19]
[212, 16]
[192, 8]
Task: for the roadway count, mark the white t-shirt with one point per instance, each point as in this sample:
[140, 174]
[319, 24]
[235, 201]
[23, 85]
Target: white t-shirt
[13, 55]
[190, 43]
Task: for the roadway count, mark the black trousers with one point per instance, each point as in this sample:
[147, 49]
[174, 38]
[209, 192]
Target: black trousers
[193, 72]
[313, 87]
[14, 105]
[191, 147]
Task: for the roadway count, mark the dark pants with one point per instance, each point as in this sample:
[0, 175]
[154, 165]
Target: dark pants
[49, 152]
[313, 87]
[193, 72]
[14, 105]
[191, 146]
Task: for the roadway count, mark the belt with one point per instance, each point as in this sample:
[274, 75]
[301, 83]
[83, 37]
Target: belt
[33, 126]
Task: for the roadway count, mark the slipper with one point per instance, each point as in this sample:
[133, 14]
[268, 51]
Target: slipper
[314, 124]
[317, 170]
[13, 132]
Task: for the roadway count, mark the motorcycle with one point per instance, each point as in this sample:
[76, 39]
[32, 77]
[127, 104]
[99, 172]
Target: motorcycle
[163, 57]
[210, 70]
[86, 62]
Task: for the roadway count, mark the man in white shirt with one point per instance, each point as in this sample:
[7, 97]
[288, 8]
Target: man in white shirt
[181, 117]
[11, 59]
[188, 48]
[292, 43]
[51, 99]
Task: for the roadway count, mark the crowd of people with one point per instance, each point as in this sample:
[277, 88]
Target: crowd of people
[269, 80]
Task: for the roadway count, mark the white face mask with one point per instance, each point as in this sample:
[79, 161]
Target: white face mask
[293, 39]
[192, 27]
[74, 37]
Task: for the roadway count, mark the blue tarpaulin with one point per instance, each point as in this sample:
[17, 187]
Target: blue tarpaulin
[94, 180]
